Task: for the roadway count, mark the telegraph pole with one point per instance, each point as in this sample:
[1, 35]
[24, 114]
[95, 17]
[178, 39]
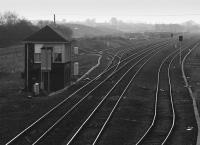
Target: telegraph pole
[180, 52]
[54, 19]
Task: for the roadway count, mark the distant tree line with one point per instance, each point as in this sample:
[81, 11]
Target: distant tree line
[14, 29]
[188, 26]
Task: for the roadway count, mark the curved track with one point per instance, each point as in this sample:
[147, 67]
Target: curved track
[80, 114]
[164, 117]
[164, 112]
[116, 92]
[41, 126]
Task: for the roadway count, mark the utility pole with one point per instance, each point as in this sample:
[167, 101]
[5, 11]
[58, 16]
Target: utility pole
[180, 52]
[54, 19]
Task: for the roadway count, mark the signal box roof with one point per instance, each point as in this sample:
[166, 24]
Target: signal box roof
[51, 34]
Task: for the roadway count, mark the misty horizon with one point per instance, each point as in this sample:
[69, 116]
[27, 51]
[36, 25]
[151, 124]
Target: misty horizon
[143, 11]
[150, 19]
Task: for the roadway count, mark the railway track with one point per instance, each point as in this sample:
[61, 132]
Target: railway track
[164, 118]
[120, 133]
[142, 45]
[164, 113]
[117, 93]
[78, 139]
[119, 57]
[185, 128]
[139, 46]
[115, 60]
[89, 103]
[30, 133]
[123, 60]
[110, 72]
[123, 54]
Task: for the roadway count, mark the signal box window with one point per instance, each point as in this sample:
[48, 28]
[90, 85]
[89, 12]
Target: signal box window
[37, 53]
[37, 57]
[58, 55]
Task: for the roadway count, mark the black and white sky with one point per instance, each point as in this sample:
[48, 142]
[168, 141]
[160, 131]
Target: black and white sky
[149, 11]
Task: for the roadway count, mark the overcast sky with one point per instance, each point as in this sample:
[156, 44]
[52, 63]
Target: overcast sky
[150, 11]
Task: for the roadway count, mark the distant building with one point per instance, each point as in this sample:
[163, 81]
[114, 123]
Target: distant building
[48, 59]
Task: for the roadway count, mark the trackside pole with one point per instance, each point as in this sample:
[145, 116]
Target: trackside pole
[180, 51]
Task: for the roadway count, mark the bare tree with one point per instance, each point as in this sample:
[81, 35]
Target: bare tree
[114, 21]
[1, 19]
[10, 18]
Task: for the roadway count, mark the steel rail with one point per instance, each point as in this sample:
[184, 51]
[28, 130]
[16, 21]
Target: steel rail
[74, 106]
[29, 127]
[156, 98]
[115, 56]
[118, 101]
[121, 58]
[52, 109]
[194, 101]
[147, 45]
[104, 98]
[130, 57]
[171, 96]
[117, 66]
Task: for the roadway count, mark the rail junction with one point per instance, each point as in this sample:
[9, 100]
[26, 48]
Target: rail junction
[139, 99]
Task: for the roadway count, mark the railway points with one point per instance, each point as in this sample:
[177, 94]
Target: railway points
[108, 106]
